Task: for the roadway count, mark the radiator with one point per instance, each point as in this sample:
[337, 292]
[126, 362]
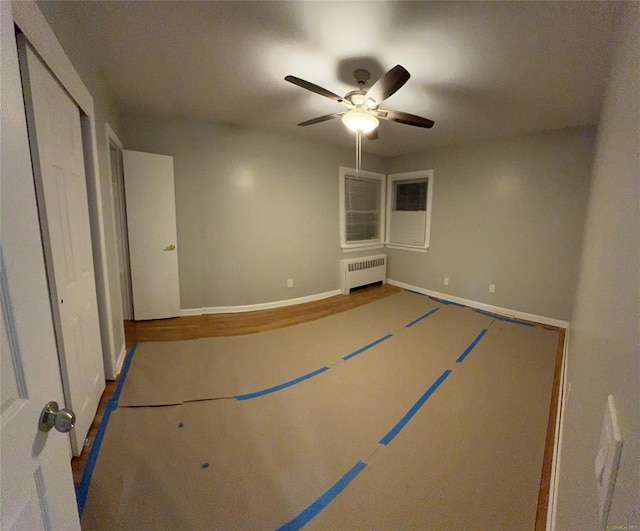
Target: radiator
[362, 271]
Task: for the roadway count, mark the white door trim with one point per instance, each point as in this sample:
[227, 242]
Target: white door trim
[33, 24]
[120, 231]
[112, 136]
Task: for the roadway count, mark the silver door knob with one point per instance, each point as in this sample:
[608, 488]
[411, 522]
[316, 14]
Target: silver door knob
[53, 417]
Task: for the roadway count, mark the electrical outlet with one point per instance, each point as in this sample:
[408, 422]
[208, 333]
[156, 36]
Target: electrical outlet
[608, 459]
[492, 288]
[446, 281]
[290, 283]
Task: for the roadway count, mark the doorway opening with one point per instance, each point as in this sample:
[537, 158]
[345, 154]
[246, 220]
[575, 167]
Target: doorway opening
[120, 218]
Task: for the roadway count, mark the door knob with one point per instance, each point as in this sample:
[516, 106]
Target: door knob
[171, 247]
[53, 417]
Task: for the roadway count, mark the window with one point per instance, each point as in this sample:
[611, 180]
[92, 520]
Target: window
[361, 209]
[409, 210]
[369, 221]
[410, 196]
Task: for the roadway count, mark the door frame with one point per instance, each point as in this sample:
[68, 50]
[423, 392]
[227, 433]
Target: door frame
[120, 228]
[33, 24]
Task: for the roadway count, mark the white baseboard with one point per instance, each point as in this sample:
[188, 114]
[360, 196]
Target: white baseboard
[482, 306]
[189, 312]
[121, 357]
[111, 371]
[260, 306]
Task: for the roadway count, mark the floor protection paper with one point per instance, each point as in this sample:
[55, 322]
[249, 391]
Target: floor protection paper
[165, 373]
[472, 456]
[399, 434]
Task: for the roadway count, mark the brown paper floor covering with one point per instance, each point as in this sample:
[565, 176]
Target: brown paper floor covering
[469, 457]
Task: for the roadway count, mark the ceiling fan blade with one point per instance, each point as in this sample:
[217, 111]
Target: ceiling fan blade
[313, 88]
[373, 135]
[322, 118]
[388, 84]
[406, 118]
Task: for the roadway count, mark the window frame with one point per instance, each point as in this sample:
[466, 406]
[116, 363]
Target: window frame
[379, 242]
[409, 176]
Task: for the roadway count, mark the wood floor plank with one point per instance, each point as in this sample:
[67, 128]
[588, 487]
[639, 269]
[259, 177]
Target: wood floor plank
[545, 479]
[231, 324]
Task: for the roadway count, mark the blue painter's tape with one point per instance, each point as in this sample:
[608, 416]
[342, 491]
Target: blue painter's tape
[417, 293]
[451, 303]
[416, 407]
[471, 346]
[112, 405]
[284, 385]
[321, 503]
[506, 319]
[367, 347]
[124, 372]
[422, 317]
[447, 303]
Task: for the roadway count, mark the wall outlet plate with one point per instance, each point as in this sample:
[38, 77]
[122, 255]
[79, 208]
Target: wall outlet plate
[446, 281]
[492, 288]
[290, 283]
[608, 459]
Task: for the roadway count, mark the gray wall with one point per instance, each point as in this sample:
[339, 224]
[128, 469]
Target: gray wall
[253, 210]
[256, 208]
[604, 356]
[509, 213]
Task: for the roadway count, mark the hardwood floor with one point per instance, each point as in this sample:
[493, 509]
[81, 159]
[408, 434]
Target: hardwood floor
[547, 465]
[215, 325]
[233, 324]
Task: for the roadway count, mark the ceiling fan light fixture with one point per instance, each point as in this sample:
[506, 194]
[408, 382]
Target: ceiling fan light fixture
[360, 121]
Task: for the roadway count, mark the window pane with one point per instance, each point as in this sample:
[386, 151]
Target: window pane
[362, 226]
[411, 197]
[362, 195]
[362, 212]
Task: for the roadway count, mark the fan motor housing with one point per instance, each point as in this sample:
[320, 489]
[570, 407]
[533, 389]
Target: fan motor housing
[356, 97]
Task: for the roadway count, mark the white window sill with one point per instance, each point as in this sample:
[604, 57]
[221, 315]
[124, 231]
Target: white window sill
[407, 248]
[351, 249]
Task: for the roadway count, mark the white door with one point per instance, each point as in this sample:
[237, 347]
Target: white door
[36, 486]
[58, 162]
[151, 221]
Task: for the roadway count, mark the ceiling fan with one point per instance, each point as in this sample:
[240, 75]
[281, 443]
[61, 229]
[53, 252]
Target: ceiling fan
[363, 112]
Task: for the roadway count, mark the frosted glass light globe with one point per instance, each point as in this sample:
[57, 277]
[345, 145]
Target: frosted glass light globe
[359, 120]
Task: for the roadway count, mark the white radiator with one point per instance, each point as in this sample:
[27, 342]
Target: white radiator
[362, 271]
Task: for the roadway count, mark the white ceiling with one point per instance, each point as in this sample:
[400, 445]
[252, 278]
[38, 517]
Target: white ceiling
[480, 70]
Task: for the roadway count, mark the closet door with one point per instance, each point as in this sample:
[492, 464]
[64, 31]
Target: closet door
[58, 161]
